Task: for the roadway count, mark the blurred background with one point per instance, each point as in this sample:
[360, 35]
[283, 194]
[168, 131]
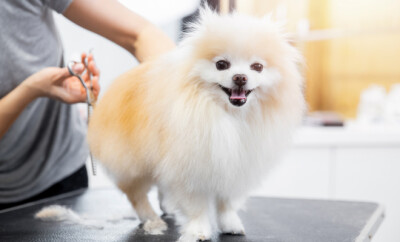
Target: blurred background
[349, 145]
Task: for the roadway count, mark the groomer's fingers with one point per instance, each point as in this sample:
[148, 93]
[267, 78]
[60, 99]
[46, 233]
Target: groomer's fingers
[73, 85]
[73, 95]
[64, 72]
[91, 68]
[73, 91]
[78, 68]
[96, 86]
[95, 78]
[95, 73]
[83, 57]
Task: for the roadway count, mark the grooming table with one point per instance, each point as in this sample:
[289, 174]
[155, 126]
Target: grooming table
[265, 219]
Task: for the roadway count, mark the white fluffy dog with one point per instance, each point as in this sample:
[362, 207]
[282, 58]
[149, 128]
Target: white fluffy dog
[204, 123]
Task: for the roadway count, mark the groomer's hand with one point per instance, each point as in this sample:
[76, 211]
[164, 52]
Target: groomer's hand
[55, 82]
[50, 82]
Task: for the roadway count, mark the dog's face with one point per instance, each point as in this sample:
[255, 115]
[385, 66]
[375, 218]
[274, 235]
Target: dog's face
[238, 58]
[237, 77]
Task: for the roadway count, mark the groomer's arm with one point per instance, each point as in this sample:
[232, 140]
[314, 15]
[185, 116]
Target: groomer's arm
[12, 105]
[115, 22]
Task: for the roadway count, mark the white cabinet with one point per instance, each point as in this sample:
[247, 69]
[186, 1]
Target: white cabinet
[372, 174]
[302, 173]
[361, 164]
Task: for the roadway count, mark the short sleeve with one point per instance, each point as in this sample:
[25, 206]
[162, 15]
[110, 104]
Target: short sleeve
[58, 5]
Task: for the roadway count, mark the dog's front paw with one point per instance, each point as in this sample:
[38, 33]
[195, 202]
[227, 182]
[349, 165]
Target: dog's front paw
[230, 223]
[188, 237]
[157, 226]
[196, 230]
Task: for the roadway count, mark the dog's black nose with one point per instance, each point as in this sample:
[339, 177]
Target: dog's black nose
[240, 79]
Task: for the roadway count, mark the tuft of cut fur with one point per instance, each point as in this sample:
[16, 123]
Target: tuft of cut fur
[62, 213]
[173, 122]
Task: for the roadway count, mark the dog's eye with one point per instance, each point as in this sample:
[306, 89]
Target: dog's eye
[256, 67]
[222, 65]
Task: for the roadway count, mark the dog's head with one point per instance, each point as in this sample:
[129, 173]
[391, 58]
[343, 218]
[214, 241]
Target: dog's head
[239, 58]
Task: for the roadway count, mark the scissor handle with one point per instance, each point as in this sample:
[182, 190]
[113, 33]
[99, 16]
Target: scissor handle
[88, 96]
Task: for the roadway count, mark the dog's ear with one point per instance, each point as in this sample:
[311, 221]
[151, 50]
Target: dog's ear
[206, 10]
[206, 13]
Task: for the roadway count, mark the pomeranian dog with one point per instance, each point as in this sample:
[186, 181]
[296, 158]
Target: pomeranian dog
[204, 123]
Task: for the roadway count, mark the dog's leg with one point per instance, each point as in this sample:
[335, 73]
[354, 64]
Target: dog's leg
[197, 227]
[136, 191]
[228, 219]
[161, 199]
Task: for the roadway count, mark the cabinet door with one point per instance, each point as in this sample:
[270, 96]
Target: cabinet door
[303, 172]
[372, 174]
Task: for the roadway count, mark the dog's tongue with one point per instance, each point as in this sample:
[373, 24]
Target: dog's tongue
[239, 93]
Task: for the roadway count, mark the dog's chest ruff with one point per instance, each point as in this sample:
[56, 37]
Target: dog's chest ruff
[227, 155]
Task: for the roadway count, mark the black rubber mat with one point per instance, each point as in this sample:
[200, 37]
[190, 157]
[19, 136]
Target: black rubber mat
[265, 219]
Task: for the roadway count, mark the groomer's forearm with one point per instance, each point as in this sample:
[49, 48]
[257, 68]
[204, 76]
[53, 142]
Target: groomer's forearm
[115, 22]
[12, 105]
[152, 42]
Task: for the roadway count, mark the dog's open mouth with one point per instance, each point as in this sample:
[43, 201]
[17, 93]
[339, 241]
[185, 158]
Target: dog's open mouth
[237, 96]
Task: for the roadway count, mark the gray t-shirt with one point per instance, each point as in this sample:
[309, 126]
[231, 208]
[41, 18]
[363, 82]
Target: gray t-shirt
[47, 141]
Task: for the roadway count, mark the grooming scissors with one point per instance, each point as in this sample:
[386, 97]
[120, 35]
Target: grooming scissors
[89, 97]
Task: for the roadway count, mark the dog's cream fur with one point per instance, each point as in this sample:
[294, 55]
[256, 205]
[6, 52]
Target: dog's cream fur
[168, 123]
